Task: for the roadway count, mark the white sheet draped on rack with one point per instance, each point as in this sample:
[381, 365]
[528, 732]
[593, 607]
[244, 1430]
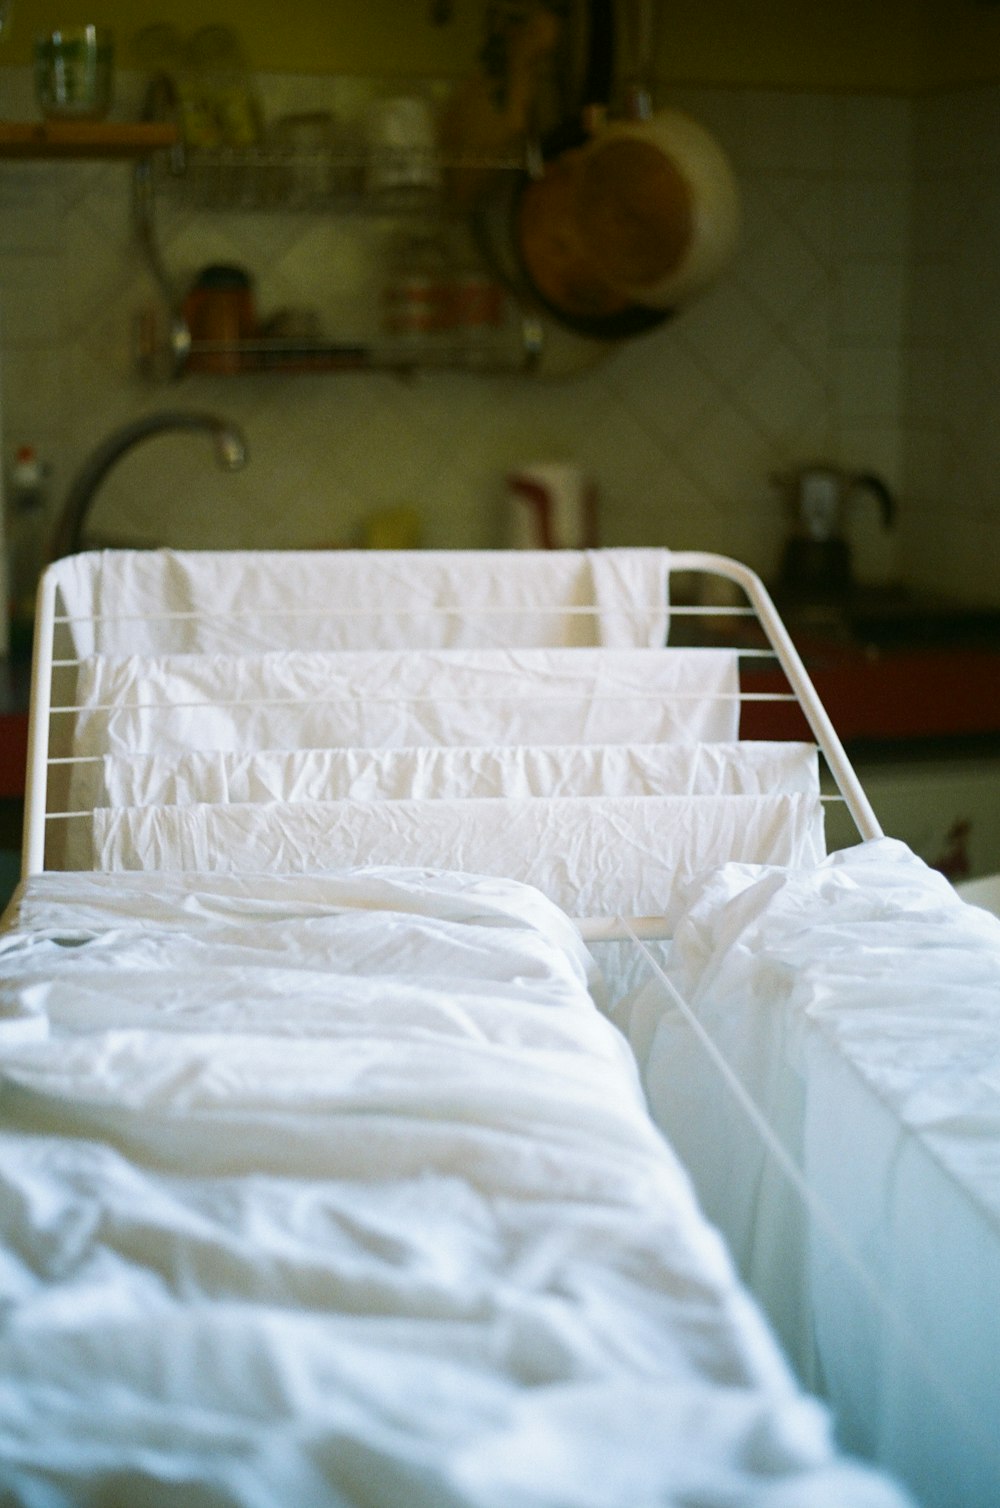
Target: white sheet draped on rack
[592, 855]
[857, 1002]
[393, 699]
[325, 1190]
[428, 773]
[377, 700]
[406, 599]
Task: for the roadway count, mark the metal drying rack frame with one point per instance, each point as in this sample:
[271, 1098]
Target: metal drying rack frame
[761, 607]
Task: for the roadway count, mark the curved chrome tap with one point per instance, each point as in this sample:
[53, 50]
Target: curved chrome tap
[230, 447]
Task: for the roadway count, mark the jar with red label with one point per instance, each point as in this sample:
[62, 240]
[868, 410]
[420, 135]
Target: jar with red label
[416, 293]
[478, 301]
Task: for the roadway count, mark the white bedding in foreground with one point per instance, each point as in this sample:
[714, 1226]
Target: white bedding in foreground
[858, 1002]
[340, 1190]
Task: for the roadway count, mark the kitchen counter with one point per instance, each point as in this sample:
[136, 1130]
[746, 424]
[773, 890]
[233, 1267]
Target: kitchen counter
[891, 668]
[884, 696]
[913, 689]
[15, 683]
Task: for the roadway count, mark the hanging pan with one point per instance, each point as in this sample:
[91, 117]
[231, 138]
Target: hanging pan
[656, 202]
[656, 205]
[627, 219]
[527, 225]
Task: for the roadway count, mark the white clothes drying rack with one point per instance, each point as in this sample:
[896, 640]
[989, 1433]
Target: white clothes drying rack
[49, 620]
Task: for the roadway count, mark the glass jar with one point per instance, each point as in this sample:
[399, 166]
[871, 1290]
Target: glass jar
[220, 316]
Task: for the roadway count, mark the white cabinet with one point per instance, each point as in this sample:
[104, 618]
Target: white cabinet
[947, 810]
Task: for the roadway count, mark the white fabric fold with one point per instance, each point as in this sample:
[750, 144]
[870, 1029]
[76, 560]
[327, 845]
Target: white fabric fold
[220, 601]
[396, 698]
[592, 856]
[750, 768]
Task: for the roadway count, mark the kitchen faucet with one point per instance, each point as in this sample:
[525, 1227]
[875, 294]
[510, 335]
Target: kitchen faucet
[230, 449]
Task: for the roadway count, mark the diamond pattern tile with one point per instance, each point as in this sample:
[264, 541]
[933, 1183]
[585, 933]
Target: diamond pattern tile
[859, 322]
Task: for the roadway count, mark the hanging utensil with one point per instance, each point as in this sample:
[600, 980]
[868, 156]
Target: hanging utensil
[549, 251]
[657, 203]
[658, 208]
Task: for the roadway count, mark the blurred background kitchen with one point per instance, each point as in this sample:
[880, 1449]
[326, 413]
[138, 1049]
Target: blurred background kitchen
[856, 325]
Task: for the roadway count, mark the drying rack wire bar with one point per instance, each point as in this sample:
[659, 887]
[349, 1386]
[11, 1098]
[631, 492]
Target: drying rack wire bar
[360, 613]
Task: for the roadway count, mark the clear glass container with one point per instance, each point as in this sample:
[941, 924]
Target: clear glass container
[74, 71]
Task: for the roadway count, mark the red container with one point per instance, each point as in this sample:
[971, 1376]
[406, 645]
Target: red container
[221, 318]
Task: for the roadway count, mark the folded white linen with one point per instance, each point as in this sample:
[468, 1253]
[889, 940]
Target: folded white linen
[215, 775]
[166, 601]
[591, 855]
[319, 1203]
[859, 1005]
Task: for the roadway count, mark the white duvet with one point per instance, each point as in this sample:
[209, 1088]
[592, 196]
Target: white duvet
[205, 601]
[341, 1191]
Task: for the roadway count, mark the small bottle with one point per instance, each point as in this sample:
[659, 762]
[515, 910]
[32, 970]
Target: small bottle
[26, 524]
[478, 310]
[415, 305]
[215, 56]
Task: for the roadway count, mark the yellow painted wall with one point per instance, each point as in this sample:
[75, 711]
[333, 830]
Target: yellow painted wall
[819, 44]
[962, 41]
[895, 45]
[310, 36]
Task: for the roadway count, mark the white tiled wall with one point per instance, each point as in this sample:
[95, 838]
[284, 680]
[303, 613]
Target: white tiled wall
[859, 323]
[952, 352]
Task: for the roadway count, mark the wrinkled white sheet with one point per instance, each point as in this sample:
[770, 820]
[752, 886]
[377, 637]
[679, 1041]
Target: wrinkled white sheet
[350, 599]
[341, 1191]
[859, 1003]
[591, 855]
[394, 699]
[215, 775]
[378, 700]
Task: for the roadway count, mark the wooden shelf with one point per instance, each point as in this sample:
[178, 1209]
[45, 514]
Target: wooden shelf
[65, 139]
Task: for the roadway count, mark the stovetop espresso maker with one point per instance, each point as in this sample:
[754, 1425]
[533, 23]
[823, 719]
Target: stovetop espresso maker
[817, 556]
